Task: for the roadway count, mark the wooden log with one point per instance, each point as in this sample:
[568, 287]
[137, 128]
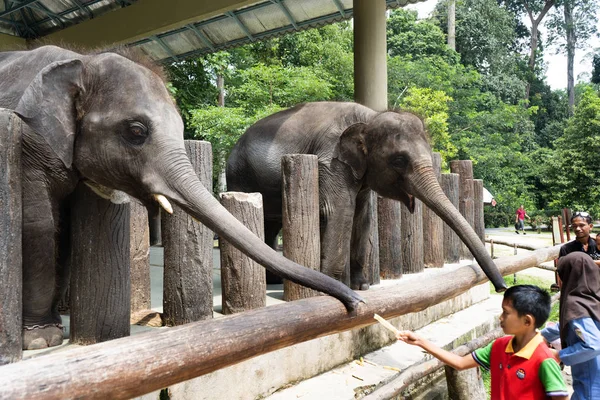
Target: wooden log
[557, 236]
[140, 257]
[433, 226]
[452, 243]
[375, 252]
[412, 238]
[512, 244]
[11, 132]
[464, 385]
[243, 280]
[228, 340]
[478, 220]
[390, 238]
[112, 369]
[188, 259]
[414, 373]
[464, 168]
[100, 292]
[300, 217]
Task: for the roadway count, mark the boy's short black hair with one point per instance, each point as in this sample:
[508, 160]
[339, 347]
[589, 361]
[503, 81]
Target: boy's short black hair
[530, 299]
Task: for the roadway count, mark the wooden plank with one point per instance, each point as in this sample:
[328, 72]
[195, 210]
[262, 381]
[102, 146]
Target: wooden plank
[452, 243]
[300, 205]
[478, 220]
[390, 237]
[412, 239]
[140, 257]
[129, 367]
[10, 238]
[464, 168]
[433, 226]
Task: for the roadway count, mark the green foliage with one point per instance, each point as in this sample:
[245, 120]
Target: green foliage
[432, 105]
[571, 169]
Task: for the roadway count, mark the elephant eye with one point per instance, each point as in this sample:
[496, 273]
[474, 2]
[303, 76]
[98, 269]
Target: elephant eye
[399, 161]
[136, 133]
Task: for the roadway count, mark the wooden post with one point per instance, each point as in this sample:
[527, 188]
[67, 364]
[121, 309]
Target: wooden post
[140, 257]
[390, 238]
[465, 170]
[464, 385]
[478, 220]
[562, 228]
[243, 280]
[412, 239]
[492, 248]
[300, 205]
[375, 257]
[11, 285]
[100, 292]
[452, 243]
[433, 226]
[188, 246]
[567, 219]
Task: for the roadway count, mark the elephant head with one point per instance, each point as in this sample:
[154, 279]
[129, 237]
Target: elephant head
[113, 121]
[392, 153]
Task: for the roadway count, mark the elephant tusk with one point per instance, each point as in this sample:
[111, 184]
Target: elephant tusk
[164, 203]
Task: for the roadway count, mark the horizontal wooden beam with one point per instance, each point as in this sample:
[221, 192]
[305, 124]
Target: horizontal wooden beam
[132, 366]
[140, 20]
[512, 244]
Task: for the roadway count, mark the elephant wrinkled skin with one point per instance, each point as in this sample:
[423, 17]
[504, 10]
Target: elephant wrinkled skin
[358, 149]
[110, 122]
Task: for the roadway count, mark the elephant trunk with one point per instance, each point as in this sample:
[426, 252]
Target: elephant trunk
[185, 189]
[426, 188]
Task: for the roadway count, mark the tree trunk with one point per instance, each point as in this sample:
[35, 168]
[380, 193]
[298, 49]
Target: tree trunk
[571, 38]
[535, 23]
[243, 280]
[478, 219]
[464, 168]
[188, 244]
[452, 24]
[140, 257]
[100, 292]
[300, 205]
[10, 238]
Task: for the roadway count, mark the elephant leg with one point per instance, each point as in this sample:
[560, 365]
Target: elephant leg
[272, 229]
[360, 254]
[41, 326]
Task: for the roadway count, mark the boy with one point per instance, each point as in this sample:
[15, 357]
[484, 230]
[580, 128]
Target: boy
[522, 366]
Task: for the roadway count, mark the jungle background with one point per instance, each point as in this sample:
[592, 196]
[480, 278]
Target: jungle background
[487, 100]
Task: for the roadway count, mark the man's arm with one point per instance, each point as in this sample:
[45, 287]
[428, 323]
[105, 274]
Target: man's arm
[455, 361]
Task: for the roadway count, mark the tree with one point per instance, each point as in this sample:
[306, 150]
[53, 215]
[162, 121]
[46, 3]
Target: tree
[570, 30]
[596, 69]
[574, 178]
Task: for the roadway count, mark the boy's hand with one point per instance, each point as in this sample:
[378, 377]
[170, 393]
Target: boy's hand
[555, 354]
[409, 337]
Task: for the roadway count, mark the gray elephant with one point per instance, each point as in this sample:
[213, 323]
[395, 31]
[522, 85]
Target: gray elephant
[107, 121]
[358, 149]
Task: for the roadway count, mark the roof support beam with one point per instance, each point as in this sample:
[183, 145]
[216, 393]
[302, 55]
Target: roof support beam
[286, 12]
[243, 27]
[202, 36]
[17, 7]
[165, 47]
[340, 8]
[125, 26]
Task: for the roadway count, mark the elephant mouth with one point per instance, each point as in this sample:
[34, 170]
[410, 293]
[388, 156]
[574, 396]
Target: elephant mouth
[118, 197]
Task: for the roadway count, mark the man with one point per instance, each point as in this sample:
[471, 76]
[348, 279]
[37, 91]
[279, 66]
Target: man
[520, 220]
[581, 224]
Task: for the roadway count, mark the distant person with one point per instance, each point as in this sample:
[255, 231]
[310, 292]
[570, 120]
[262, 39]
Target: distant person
[521, 364]
[579, 323]
[581, 224]
[520, 216]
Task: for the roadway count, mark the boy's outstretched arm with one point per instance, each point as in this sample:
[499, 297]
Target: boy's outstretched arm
[455, 361]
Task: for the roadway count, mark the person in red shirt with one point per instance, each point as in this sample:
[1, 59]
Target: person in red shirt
[520, 216]
[522, 366]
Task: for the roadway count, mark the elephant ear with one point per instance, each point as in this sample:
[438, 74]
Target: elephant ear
[48, 106]
[352, 150]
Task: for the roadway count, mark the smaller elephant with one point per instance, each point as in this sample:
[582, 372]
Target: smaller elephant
[358, 150]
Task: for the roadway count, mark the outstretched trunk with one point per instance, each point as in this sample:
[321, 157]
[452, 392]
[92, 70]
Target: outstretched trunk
[426, 188]
[182, 186]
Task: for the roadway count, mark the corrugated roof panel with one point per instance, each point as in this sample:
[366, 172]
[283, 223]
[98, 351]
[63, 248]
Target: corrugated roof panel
[183, 42]
[154, 50]
[264, 18]
[309, 9]
[223, 30]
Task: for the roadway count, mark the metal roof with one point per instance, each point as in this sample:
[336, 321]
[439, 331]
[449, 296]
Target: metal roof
[34, 19]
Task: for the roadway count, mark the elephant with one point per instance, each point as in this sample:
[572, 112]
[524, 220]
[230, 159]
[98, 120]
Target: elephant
[108, 121]
[358, 150]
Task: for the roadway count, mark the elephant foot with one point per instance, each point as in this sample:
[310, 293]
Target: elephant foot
[41, 336]
[359, 286]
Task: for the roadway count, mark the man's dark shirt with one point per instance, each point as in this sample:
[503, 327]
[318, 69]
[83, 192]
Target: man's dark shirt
[577, 246]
